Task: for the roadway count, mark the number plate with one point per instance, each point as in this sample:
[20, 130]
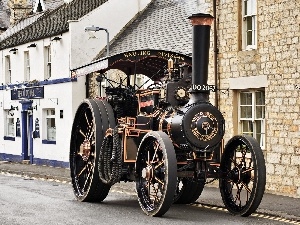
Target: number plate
[203, 87]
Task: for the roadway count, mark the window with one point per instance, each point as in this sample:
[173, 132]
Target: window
[249, 34]
[10, 121]
[7, 69]
[102, 88]
[252, 114]
[50, 124]
[26, 66]
[139, 80]
[48, 62]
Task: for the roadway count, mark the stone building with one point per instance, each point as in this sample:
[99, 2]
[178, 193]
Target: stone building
[258, 61]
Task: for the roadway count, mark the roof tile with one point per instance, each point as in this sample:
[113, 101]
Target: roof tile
[163, 25]
[51, 22]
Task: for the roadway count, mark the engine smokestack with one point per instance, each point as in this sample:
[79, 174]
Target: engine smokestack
[201, 42]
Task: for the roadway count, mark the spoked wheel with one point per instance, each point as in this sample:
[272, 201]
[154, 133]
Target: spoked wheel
[90, 123]
[187, 190]
[156, 173]
[243, 178]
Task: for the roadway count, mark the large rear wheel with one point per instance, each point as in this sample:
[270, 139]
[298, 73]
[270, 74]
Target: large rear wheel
[156, 173]
[243, 175]
[91, 121]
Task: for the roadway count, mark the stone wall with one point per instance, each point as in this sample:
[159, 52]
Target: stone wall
[277, 57]
[19, 10]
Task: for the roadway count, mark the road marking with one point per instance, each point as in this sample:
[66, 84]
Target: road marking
[199, 205]
[25, 177]
[260, 215]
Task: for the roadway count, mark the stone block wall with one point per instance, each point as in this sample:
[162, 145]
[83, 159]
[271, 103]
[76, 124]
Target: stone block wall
[278, 57]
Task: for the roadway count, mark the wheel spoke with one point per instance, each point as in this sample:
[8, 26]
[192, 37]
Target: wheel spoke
[87, 121]
[159, 181]
[246, 187]
[159, 165]
[155, 152]
[247, 170]
[81, 132]
[87, 178]
[238, 196]
[83, 169]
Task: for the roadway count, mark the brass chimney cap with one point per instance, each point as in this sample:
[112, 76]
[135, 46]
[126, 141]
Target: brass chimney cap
[201, 19]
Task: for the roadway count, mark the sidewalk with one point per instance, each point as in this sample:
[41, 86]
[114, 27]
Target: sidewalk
[275, 205]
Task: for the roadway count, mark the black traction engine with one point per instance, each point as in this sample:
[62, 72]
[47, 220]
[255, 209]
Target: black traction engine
[167, 138]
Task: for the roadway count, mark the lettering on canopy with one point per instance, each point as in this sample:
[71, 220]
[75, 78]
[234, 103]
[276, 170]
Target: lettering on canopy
[144, 53]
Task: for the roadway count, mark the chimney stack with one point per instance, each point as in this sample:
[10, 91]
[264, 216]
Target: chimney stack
[201, 43]
[19, 9]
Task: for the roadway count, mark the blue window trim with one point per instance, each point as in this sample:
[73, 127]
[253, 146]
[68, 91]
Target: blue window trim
[47, 142]
[8, 138]
[39, 83]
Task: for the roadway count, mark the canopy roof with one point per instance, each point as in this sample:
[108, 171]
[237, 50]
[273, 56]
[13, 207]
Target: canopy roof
[152, 63]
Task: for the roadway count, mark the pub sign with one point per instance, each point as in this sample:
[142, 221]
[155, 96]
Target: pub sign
[27, 93]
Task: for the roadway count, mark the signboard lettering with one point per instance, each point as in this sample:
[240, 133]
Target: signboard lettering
[27, 93]
[162, 54]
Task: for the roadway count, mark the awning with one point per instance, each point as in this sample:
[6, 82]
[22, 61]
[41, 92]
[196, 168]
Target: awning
[151, 63]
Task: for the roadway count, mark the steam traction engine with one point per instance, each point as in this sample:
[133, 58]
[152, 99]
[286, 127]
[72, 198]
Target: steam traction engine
[167, 139]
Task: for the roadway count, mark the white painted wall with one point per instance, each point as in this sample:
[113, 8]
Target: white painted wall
[112, 15]
[56, 96]
[73, 50]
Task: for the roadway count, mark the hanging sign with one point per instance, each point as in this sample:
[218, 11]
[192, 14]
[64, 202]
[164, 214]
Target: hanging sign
[27, 93]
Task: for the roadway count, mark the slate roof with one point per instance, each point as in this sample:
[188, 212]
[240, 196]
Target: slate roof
[51, 22]
[162, 26]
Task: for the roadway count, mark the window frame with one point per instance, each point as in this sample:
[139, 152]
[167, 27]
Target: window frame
[26, 66]
[254, 121]
[249, 15]
[7, 69]
[10, 116]
[48, 62]
[48, 116]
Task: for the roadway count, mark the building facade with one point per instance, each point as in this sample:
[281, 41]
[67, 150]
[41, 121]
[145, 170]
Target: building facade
[258, 59]
[254, 62]
[39, 96]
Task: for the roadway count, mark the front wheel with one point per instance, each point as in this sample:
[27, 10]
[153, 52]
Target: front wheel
[243, 175]
[156, 173]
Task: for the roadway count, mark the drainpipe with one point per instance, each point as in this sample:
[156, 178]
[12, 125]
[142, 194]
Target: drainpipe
[87, 86]
[216, 51]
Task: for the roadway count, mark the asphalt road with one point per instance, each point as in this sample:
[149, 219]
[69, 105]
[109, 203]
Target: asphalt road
[29, 201]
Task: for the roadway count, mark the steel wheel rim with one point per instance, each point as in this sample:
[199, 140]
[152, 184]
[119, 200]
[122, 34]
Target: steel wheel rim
[151, 171]
[240, 177]
[83, 161]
